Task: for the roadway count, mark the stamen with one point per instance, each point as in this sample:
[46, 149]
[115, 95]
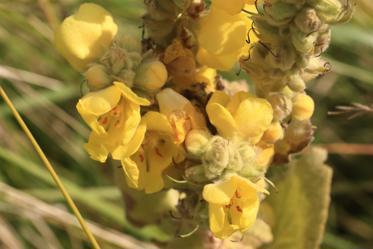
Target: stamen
[158, 152]
[239, 209]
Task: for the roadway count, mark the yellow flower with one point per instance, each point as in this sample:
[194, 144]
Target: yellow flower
[233, 205]
[144, 169]
[180, 112]
[86, 35]
[240, 115]
[165, 132]
[222, 37]
[232, 7]
[113, 114]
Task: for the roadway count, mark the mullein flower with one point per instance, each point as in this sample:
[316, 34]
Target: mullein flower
[113, 114]
[165, 132]
[240, 115]
[144, 169]
[233, 205]
[86, 35]
[222, 35]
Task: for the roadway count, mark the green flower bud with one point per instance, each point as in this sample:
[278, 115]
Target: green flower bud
[268, 33]
[196, 141]
[299, 134]
[116, 59]
[282, 57]
[159, 31]
[127, 76]
[296, 83]
[151, 75]
[216, 157]
[307, 20]
[328, 10]
[130, 43]
[281, 104]
[304, 43]
[316, 66]
[97, 77]
[323, 41]
[280, 13]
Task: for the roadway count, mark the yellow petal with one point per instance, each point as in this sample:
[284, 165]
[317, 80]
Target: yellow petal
[253, 117]
[216, 218]
[236, 100]
[222, 120]
[130, 95]
[96, 149]
[170, 101]
[133, 146]
[131, 172]
[95, 104]
[86, 35]
[156, 121]
[221, 38]
[220, 192]
[249, 215]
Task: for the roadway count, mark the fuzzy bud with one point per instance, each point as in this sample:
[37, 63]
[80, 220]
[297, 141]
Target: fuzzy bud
[328, 10]
[97, 77]
[151, 75]
[281, 104]
[216, 157]
[303, 107]
[307, 20]
[196, 141]
[296, 83]
[299, 134]
[304, 43]
[280, 13]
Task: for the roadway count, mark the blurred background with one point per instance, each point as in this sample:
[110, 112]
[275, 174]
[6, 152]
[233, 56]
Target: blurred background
[45, 90]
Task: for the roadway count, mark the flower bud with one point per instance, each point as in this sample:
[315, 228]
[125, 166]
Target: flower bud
[117, 59]
[307, 20]
[281, 104]
[304, 43]
[196, 141]
[316, 66]
[282, 147]
[296, 83]
[97, 77]
[274, 133]
[328, 10]
[280, 13]
[151, 75]
[283, 58]
[127, 76]
[303, 107]
[299, 134]
[216, 157]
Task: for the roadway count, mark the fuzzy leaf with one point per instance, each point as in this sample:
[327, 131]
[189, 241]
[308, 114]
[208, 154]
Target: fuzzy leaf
[300, 206]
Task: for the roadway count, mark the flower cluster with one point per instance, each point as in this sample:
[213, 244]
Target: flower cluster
[158, 106]
[292, 36]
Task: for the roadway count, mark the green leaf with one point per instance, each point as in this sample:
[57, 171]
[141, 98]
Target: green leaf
[300, 206]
